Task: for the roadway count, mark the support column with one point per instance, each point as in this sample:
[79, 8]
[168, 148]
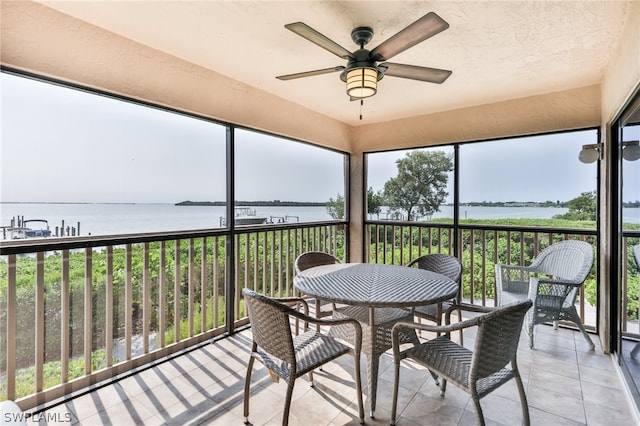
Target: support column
[357, 209]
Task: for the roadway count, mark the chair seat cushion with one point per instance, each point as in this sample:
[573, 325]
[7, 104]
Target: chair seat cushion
[312, 349]
[452, 361]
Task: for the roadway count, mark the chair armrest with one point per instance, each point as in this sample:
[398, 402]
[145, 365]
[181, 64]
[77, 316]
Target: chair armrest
[466, 307]
[556, 281]
[554, 291]
[331, 321]
[444, 329]
[291, 301]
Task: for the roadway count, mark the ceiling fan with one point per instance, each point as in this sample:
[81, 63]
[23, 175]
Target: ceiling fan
[363, 69]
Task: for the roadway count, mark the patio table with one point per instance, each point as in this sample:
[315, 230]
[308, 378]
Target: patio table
[377, 287]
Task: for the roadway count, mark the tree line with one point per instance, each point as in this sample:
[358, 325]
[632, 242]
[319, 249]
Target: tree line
[419, 189]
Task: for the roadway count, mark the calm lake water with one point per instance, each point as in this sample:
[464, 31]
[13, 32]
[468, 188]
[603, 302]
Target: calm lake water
[104, 219]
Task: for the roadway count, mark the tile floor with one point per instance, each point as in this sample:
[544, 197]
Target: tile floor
[566, 384]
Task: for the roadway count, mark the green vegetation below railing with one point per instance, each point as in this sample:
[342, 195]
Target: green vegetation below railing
[522, 223]
[25, 377]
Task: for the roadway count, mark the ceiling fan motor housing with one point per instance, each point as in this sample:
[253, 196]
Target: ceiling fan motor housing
[360, 59]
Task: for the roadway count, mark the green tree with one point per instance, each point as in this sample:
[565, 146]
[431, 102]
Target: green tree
[375, 201]
[583, 207]
[335, 208]
[420, 186]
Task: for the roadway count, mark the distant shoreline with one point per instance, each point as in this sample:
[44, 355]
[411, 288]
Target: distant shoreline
[278, 203]
[274, 203]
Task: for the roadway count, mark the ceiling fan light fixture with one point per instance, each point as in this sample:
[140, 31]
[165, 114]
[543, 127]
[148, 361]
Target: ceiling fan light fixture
[362, 82]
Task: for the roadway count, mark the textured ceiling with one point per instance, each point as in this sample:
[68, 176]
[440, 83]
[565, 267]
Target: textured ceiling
[496, 50]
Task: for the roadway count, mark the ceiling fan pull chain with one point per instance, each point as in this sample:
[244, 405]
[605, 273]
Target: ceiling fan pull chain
[361, 103]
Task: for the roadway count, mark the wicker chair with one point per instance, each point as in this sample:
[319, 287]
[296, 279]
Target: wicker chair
[450, 267]
[477, 372]
[636, 255]
[552, 282]
[308, 260]
[288, 356]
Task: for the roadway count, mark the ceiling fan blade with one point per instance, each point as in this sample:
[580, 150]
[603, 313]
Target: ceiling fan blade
[303, 30]
[425, 27]
[431, 75]
[310, 73]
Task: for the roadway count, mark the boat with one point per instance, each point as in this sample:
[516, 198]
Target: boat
[248, 216]
[39, 232]
[245, 216]
[29, 228]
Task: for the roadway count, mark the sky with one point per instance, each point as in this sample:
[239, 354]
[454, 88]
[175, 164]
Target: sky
[63, 145]
[536, 168]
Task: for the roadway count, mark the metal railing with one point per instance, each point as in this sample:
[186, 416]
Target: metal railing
[479, 248]
[76, 311]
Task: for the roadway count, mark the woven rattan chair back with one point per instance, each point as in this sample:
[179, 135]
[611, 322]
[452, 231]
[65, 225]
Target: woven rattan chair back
[270, 326]
[450, 267]
[310, 259]
[497, 340]
[444, 264]
[569, 260]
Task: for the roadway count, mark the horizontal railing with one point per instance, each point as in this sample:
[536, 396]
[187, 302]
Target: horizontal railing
[76, 311]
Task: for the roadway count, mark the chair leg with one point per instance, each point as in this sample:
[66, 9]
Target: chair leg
[460, 320]
[394, 403]
[523, 401]
[572, 315]
[318, 313]
[443, 387]
[247, 382]
[356, 362]
[435, 378]
[585, 335]
[479, 414]
[530, 326]
[287, 402]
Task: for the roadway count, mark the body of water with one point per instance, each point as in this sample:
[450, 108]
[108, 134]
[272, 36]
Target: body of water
[106, 219]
